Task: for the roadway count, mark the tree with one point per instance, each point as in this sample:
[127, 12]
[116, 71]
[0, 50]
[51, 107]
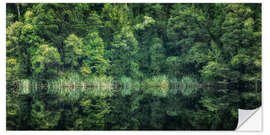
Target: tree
[186, 28]
[22, 43]
[242, 42]
[114, 17]
[123, 54]
[72, 51]
[151, 52]
[93, 55]
[175, 66]
[157, 56]
[46, 62]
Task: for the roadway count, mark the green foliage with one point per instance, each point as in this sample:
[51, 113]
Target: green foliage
[123, 54]
[157, 85]
[85, 70]
[9, 18]
[151, 50]
[148, 21]
[131, 66]
[251, 99]
[45, 61]
[93, 114]
[157, 57]
[115, 16]
[13, 114]
[73, 50]
[93, 55]
[11, 69]
[42, 118]
[189, 86]
[215, 71]
[172, 62]
[128, 85]
[22, 43]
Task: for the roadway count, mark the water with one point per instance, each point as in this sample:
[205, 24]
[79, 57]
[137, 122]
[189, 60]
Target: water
[133, 106]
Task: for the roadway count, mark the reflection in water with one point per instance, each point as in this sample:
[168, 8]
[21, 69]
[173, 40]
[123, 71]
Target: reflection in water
[28, 86]
[73, 90]
[150, 102]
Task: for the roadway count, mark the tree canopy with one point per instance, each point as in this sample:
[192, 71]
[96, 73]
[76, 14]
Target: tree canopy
[149, 66]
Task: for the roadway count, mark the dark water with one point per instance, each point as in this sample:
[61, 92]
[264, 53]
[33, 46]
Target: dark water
[150, 108]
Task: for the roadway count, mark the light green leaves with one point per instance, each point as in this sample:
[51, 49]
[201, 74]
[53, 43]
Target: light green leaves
[73, 50]
[148, 21]
[46, 60]
[93, 53]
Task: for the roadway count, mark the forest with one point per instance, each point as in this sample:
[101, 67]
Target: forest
[131, 66]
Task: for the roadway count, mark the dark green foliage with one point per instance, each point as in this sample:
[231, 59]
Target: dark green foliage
[123, 54]
[131, 66]
[42, 118]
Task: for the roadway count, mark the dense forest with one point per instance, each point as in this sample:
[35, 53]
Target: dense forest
[131, 66]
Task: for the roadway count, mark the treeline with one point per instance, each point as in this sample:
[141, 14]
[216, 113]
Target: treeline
[214, 44]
